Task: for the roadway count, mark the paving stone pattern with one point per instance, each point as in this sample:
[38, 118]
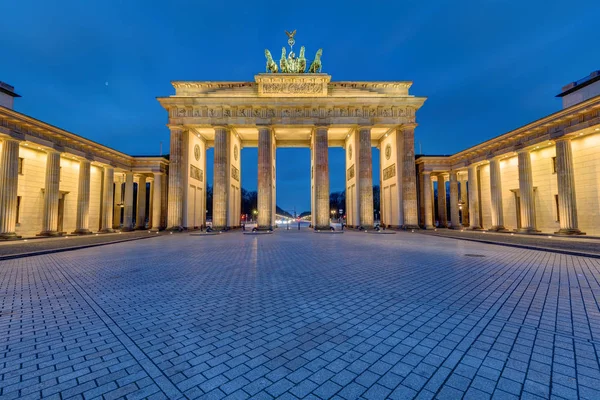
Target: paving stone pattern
[300, 315]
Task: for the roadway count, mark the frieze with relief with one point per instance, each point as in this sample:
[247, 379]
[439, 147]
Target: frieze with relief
[235, 173]
[196, 173]
[389, 172]
[350, 173]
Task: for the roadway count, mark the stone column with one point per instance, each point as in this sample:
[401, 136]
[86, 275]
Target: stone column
[454, 214]
[140, 220]
[365, 178]
[82, 223]
[409, 180]
[496, 196]
[118, 203]
[428, 199]
[265, 178]
[128, 209]
[442, 209]
[474, 222]
[51, 195]
[465, 203]
[156, 201]
[9, 179]
[320, 148]
[106, 219]
[526, 193]
[221, 178]
[175, 199]
[567, 203]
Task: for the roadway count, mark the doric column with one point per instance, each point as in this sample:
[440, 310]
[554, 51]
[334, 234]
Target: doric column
[221, 178]
[442, 209]
[156, 201]
[567, 204]
[496, 196]
[320, 148]
[82, 224]
[106, 219]
[175, 200]
[265, 178]
[409, 180]
[51, 194]
[428, 199]
[128, 209]
[140, 220]
[9, 176]
[464, 201]
[526, 192]
[474, 222]
[454, 214]
[118, 203]
[365, 178]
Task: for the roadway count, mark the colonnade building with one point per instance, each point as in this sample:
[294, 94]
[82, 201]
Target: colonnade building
[542, 177]
[53, 182]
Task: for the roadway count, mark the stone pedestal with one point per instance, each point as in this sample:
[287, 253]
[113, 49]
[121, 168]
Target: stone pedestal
[51, 195]
[474, 222]
[106, 219]
[496, 196]
[140, 219]
[156, 201]
[526, 193]
[265, 178]
[83, 199]
[128, 209]
[428, 200]
[567, 201]
[409, 180]
[320, 148]
[9, 175]
[442, 210]
[454, 214]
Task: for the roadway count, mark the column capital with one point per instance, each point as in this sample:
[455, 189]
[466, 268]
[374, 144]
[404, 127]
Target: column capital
[562, 139]
[523, 150]
[405, 127]
[224, 127]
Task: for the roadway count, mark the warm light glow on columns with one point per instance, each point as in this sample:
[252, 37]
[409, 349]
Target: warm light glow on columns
[156, 201]
[83, 198]
[428, 199]
[106, 219]
[409, 179]
[567, 203]
[526, 192]
[320, 148]
[474, 222]
[454, 214]
[176, 167]
[265, 178]
[464, 200]
[128, 209]
[442, 209]
[365, 178]
[9, 176]
[496, 195]
[221, 178]
[118, 203]
[51, 194]
[140, 220]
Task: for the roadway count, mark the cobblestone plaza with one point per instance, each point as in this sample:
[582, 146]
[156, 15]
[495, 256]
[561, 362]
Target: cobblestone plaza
[300, 315]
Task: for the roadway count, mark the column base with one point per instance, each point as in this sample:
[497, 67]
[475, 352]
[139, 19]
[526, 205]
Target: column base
[407, 227]
[82, 232]
[429, 227]
[158, 229]
[527, 230]
[50, 233]
[569, 232]
[9, 236]
[107, 230]
[498, 228]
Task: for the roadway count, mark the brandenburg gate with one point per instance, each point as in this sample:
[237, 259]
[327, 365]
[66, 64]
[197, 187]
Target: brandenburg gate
[288, 107]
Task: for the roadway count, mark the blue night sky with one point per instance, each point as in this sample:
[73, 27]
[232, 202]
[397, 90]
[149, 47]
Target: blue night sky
[486, 66]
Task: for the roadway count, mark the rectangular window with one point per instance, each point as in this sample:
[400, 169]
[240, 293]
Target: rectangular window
[557, 208]
[20, 165]
[18, 209]
[553, 165]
